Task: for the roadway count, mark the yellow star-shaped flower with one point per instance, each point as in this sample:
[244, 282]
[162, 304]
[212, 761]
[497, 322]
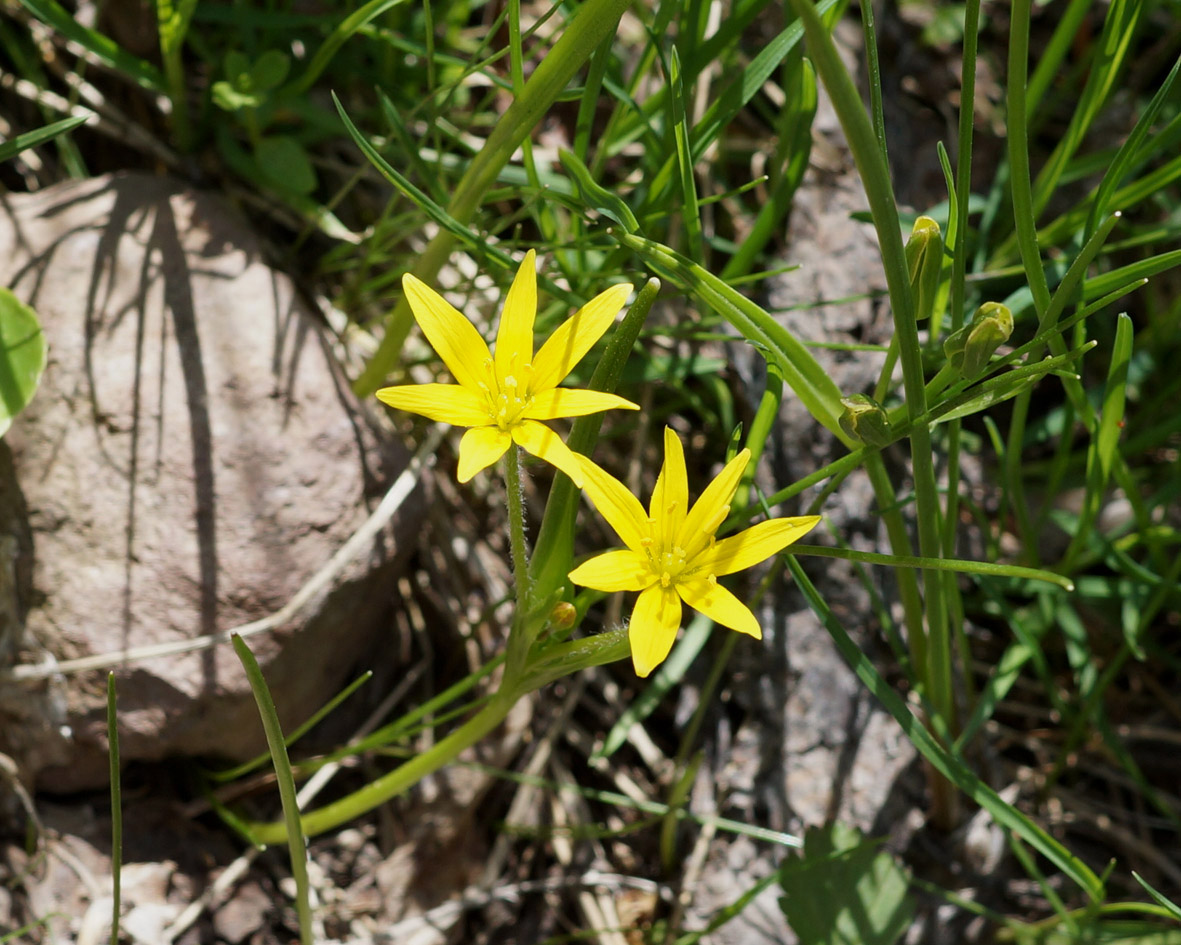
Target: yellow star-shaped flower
[672, 555]
[504, 397]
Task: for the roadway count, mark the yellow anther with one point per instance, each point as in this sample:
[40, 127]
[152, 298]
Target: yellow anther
[665, 579]
[715, 523]
[646, 542]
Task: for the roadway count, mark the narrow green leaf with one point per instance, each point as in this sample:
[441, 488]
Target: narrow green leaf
[596, 196]
[554, 551]
[1101, 455]
[945, 763]
[1131, 150]
[667, 675]
[734, 97]
[1119, 29]
[422, 200]
[801, 370]
[1168, 904]
[1020, 184]
[936, 564]
[1004, 387]
[690, 214]
[116, 775]
[232, 774]
[296, 846]
[337, 38]
[1144, 269]
[101, 45]
[30, 139]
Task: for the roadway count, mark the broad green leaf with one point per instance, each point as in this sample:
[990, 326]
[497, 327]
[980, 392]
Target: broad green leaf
[22, 357]
[285, 164]
[229, 98]
[236, 66]
[269, 70]
[844, 890]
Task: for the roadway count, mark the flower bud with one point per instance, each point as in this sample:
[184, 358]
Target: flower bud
[865, 420]
[969, 349]
[563, 615]
[924, 262]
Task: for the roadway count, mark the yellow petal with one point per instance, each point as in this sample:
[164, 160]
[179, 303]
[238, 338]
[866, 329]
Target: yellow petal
[614, 571]
[447, 402]
[450, 333]
[514, 338]
[719, 605]
[544, 443]
[653, 627]
[616, 504]
[753, 545]
[479, 449]
[710, 510]
[670, 496]
[576, 336]
[567, 402]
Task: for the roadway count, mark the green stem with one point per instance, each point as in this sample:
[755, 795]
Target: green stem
[594, 20]
[519, 642]
[875, 176]
[516, 523]
[174, 74]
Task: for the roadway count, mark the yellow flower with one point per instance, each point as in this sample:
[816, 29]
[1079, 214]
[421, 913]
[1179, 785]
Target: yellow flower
[672, 555]
[503, 397]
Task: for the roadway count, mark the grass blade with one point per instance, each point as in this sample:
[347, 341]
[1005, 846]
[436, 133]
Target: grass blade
[286, 781]
[101, 45]
[30, 139]
[116, 807]
[690, 214]
[1105, 444]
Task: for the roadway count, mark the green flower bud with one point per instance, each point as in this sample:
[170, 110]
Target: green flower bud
[969, 349]
[563, 615]
[865, 420]
[924, 263]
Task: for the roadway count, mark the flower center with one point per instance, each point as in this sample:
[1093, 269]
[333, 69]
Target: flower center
[669, 564]
[508, 396]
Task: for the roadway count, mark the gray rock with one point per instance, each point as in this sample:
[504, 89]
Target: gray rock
[193, 456]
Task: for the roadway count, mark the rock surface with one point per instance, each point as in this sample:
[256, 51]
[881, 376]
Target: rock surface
[192, 458]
